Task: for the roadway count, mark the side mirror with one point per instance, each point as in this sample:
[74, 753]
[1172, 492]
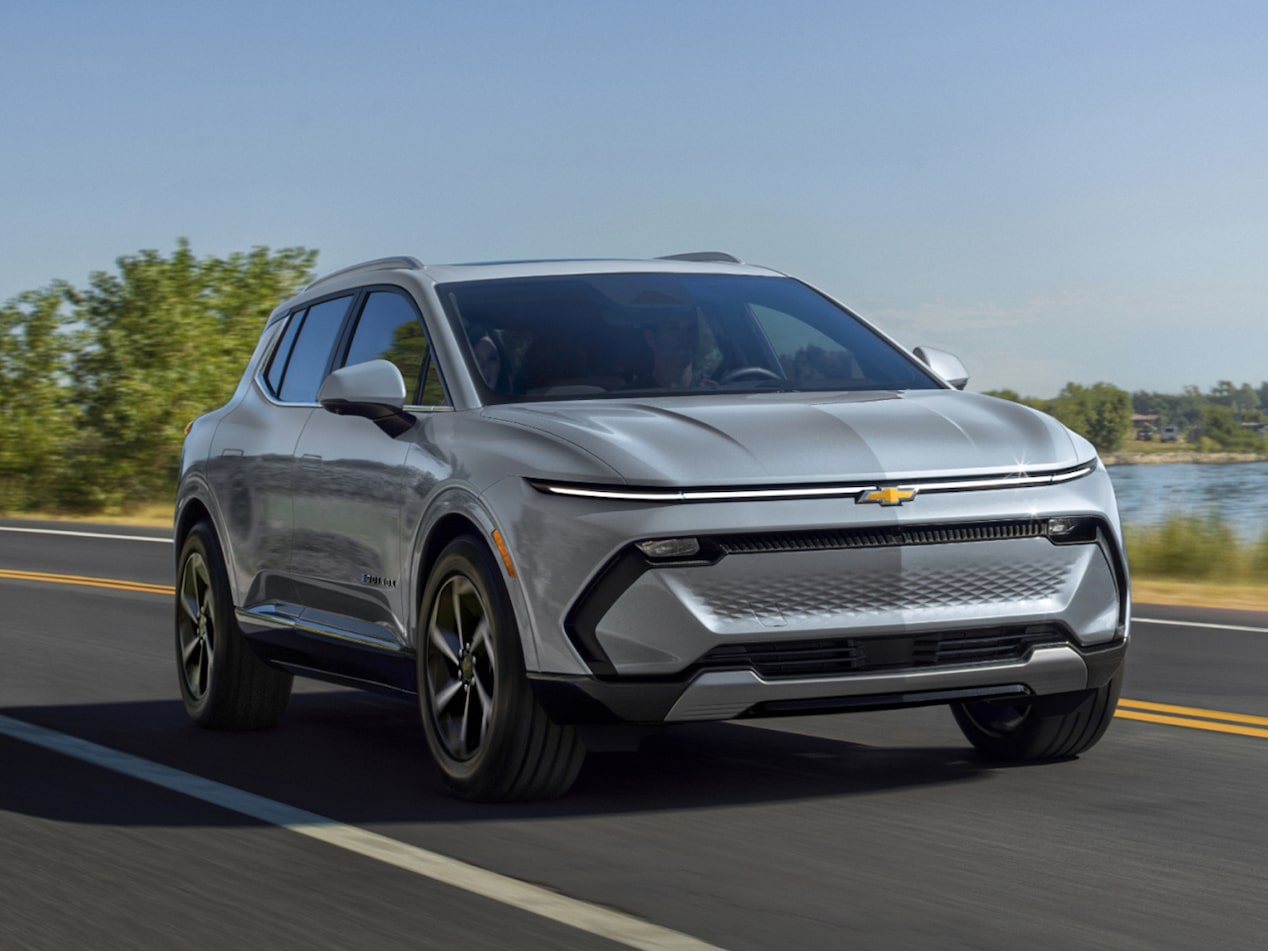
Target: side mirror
[374, 390]
[946, 365]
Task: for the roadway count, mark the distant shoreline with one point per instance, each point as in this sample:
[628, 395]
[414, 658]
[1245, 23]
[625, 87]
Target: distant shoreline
[1154, 458]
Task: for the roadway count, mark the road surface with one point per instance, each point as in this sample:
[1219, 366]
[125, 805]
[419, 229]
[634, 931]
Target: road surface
[878, 830]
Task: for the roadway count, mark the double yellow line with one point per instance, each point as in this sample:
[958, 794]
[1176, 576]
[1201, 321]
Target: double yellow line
[1195, 718]
[141, 586]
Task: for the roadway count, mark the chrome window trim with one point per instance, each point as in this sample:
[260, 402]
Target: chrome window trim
[925, 486]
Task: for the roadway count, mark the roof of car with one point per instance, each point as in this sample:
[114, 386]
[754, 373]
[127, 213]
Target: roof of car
[693, 262]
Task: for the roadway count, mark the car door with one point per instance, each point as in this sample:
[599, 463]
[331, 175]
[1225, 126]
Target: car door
[350, 544]
[252, 456]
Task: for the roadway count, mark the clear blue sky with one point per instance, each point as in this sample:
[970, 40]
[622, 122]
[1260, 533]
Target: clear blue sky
[1054, 191]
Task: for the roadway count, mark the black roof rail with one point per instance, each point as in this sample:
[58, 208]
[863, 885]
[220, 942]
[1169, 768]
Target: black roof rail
[378, 264]
[702, 256]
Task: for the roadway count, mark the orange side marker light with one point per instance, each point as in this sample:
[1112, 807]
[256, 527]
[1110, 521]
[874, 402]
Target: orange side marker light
[506, 555]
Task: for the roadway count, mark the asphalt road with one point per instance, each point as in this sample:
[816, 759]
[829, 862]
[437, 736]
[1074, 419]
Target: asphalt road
[864, 831]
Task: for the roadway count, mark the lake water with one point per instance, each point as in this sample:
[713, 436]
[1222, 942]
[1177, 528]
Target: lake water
[1237, 491]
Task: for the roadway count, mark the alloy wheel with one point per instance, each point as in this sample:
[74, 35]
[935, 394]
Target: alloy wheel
[197, 626]
[460, 670]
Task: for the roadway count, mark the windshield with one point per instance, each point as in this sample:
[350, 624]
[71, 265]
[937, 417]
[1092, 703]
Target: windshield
[656, 334]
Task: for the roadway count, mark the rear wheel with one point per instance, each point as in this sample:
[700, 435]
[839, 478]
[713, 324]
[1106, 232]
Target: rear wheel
[225, 686]
[486, 731]
[1052, 727]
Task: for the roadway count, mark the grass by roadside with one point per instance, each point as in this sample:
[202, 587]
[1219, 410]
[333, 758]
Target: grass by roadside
[149, 515]
[1232, 597]
[1197, 561]
[1203, 549]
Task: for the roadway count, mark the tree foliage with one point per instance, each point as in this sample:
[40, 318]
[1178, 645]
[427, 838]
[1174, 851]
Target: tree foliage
[1229, 418]
[40, 420]
[107, 376]
[1101, 413]
[1220, 429]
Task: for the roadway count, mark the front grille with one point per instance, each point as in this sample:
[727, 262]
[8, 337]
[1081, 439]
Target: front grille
[837, 599]
[890, 536]
[846, 655]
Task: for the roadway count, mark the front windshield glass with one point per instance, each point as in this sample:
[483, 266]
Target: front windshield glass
[635, 334]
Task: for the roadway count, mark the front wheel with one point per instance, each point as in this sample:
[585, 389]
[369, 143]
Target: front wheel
[485, 729]
[225, 686]
[1052, 727]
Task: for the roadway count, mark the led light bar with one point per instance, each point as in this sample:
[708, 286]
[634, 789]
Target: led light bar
[620, 493]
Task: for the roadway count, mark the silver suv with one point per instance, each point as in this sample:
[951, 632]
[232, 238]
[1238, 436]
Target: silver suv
[559, 502]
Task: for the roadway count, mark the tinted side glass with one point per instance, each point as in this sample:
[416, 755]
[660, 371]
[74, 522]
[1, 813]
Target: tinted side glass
[390, 329]
[311, 354]
[277, 366]
[433, 390]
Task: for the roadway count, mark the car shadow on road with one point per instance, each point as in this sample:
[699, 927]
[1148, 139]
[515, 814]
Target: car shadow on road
[362, 759]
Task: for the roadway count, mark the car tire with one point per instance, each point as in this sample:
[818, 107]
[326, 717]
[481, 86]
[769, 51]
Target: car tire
[224, 684]
[1045, 728]
[486, 731]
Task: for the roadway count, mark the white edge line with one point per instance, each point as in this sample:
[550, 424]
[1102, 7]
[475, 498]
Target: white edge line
[593, 919]
[55, 531]
[1215, 627]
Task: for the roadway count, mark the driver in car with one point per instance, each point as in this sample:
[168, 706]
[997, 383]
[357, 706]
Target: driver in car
[673, 343]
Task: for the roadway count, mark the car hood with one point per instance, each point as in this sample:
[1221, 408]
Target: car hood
[789, 438]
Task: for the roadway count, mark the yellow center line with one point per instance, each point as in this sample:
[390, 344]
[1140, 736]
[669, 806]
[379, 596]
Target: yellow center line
[138, 586]
[1196, 712]
[1194, 718]
[1192, 724]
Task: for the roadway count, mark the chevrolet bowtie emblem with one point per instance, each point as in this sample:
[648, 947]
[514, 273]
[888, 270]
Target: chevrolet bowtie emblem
[890, 495]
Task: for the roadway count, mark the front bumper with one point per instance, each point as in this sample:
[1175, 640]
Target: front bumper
[724, 694]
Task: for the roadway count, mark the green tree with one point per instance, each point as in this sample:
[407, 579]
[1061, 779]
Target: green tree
[1221, 430]
[39, 416]
[1169, 408]
[164, 341]
[1246, 401]
[1223, 393]
[1190, 405]
[1101, 413]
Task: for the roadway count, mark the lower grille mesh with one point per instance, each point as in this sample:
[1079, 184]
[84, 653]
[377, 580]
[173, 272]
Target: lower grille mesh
[835, 656]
